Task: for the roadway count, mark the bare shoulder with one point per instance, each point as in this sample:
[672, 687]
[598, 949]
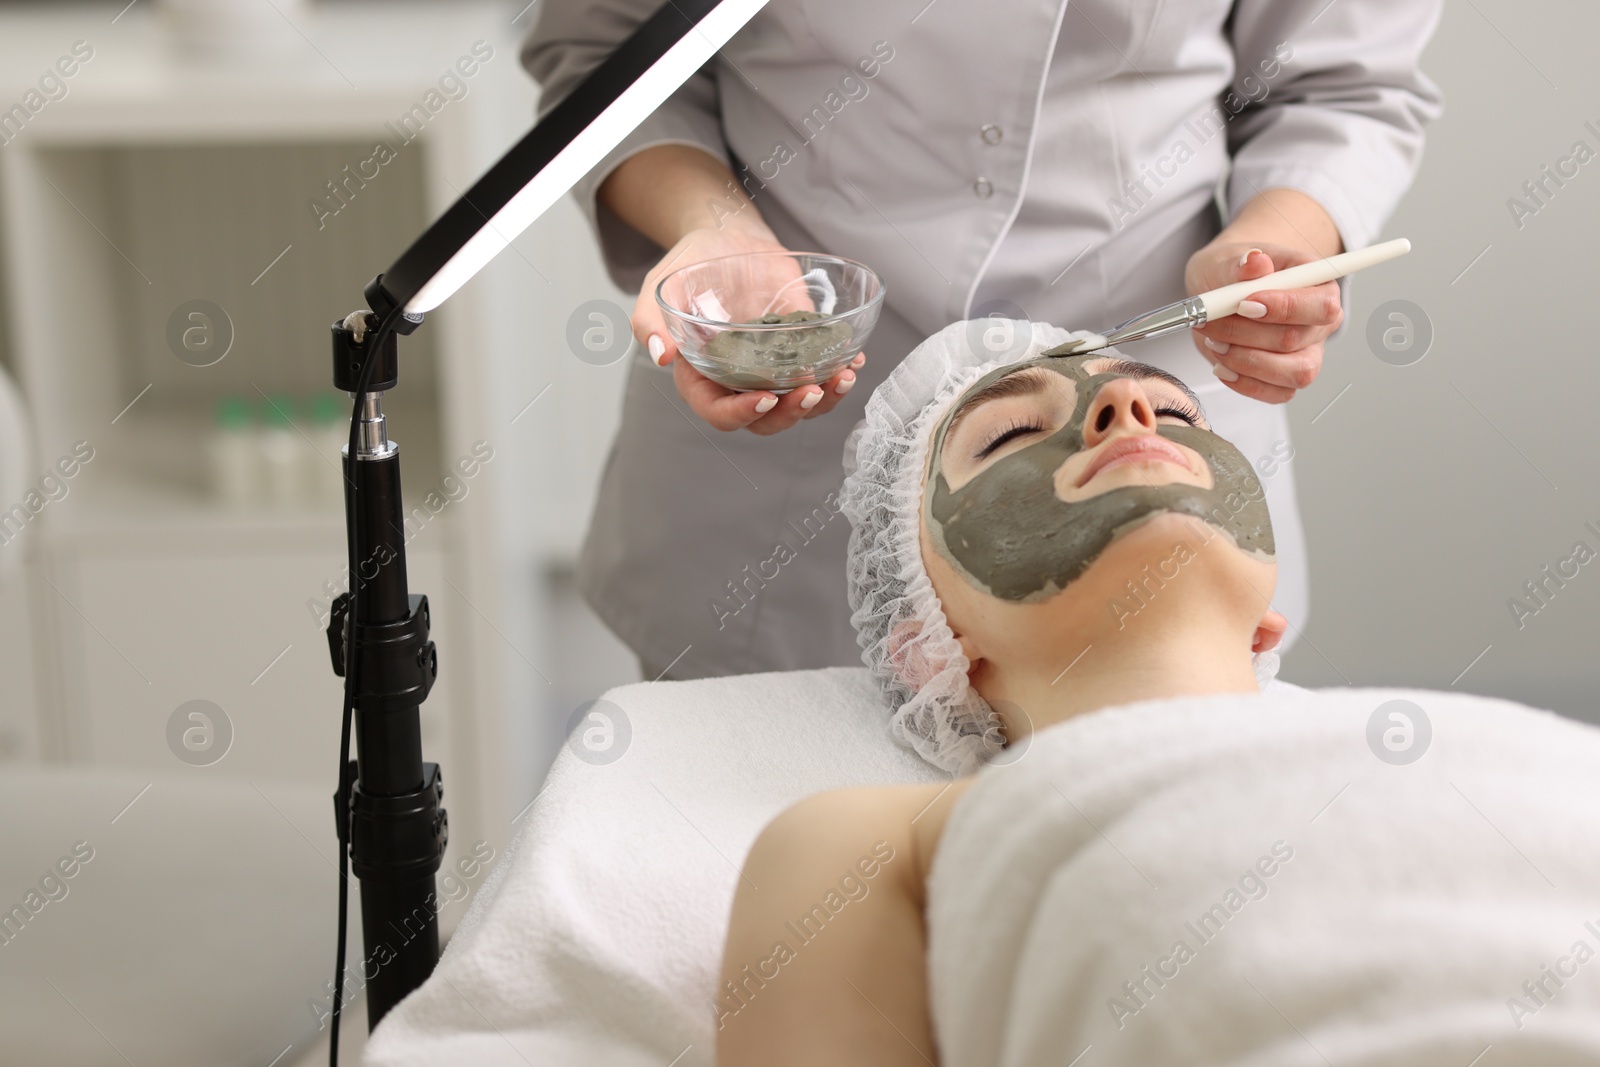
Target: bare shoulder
[839, 827]
[866, 828]
[830, 905]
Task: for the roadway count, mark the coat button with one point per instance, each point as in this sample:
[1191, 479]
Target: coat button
[984, 188]
[991, 133]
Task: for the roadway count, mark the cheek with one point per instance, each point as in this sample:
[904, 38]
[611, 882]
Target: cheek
[962, 604]
[983, 624]
[947, 584]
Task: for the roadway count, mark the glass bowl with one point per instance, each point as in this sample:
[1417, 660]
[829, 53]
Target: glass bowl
[770, 320]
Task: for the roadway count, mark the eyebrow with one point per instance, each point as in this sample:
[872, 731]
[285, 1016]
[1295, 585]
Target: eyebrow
[1031, 382]
[1028, 382]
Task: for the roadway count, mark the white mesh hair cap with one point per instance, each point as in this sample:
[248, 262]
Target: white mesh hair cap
[900, 624]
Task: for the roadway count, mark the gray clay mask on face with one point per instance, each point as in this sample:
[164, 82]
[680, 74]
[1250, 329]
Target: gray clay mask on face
[1009, 533]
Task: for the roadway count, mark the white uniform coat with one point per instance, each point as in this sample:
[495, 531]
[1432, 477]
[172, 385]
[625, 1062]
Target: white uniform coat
[1036, 159]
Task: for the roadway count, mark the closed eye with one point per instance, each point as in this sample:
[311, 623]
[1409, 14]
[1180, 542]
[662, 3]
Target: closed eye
[1013, 430]
[1179, 411]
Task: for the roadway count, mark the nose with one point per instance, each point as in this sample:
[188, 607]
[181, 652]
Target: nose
[1122, 406]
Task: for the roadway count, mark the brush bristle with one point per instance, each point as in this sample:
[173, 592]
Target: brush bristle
[1092, 343]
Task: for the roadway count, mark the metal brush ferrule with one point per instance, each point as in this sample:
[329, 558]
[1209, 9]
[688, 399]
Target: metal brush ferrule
[1183, 315]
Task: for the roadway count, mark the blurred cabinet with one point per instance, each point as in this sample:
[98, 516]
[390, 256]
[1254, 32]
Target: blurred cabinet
[267, 197]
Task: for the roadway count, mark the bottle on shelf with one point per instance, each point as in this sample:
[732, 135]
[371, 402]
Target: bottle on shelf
[234, 457]
[281, 452]
[330, 415]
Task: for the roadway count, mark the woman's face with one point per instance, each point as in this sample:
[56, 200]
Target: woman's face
[1040, 466]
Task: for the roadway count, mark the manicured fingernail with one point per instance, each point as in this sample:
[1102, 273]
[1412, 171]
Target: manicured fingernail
[657, 348]
[1219, 347]
[766, 404]
[845, 385]
[1252, 309]
[810, 400]
[1246, 257]
[859, 362]
[1224, 373]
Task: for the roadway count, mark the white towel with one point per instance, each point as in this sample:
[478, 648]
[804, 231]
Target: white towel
[598, 937]
[1337, 908]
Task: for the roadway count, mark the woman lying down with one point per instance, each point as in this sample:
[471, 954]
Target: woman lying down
[1057, 559]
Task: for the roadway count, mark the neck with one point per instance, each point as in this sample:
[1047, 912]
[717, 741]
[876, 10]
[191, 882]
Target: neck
[1194, 652]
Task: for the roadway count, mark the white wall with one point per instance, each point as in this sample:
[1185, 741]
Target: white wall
[1432, 492]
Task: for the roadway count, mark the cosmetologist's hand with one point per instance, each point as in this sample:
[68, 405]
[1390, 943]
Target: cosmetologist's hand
[1273, 347]
[761, 411]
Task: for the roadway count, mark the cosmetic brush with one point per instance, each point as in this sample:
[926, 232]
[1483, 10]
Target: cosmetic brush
[1219, 303]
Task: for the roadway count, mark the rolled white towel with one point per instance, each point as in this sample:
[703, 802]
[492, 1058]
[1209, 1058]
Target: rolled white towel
[1254, 880]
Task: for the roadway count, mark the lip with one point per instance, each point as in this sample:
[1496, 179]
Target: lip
[1129, 449]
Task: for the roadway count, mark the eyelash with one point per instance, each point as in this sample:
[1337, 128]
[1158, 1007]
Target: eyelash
[1013, 429]
[1017, 427]
[1185, 411]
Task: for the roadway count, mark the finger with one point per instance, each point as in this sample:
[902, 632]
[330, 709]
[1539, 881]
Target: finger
[1254, 388]
[782, 285]
[1267, 336]
[790, 290]
[721, 407]
[1287, 370]
[834, 390]
[650, 328]
[791, 408]
[1317, 305]
[1255, 264]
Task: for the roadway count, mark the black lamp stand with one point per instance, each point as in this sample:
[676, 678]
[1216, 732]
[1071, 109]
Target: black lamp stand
[391, 825]
[388, 804]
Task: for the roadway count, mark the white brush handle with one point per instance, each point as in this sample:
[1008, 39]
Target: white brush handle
[1225, 301]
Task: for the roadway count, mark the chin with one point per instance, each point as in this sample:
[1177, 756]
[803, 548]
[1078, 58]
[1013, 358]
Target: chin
[1159, 534]
[1166, 554]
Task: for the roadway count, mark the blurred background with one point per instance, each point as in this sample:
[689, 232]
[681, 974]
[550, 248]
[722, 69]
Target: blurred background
[185, 213]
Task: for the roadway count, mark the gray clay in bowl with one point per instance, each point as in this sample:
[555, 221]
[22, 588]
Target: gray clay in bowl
[779, 348]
